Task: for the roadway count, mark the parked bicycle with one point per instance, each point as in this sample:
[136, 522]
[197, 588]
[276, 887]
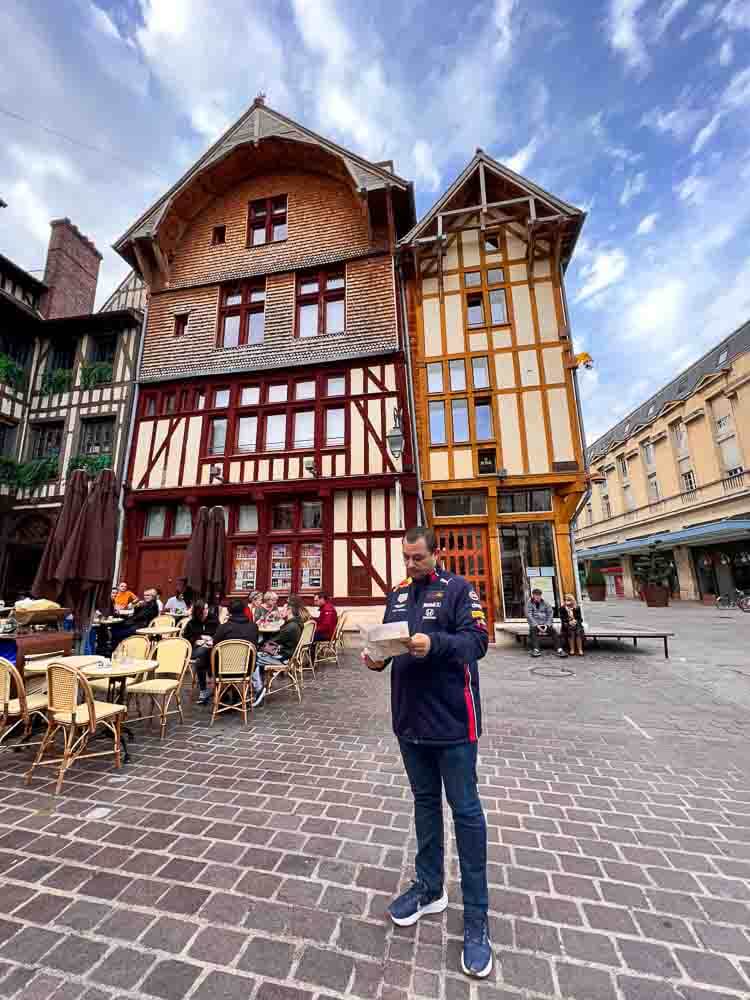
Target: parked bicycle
[739, 600]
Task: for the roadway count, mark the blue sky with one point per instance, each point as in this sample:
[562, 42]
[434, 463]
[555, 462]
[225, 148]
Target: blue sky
[637, 110]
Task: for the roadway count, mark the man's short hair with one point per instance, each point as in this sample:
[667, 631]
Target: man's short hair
[237, 606]
[422, 531]
[323, 595]
[536, 590]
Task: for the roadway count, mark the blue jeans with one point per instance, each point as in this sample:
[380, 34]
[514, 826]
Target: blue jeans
[430, 768]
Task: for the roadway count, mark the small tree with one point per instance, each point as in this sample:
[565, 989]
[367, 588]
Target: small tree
[653, 570]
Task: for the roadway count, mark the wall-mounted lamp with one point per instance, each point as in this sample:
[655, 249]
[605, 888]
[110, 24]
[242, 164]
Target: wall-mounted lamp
[395, 436]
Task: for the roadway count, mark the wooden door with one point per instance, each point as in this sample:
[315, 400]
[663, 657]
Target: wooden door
[463, 550]
[160, 568]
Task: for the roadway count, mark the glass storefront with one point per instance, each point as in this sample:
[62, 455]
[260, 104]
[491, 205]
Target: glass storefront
[527, 553]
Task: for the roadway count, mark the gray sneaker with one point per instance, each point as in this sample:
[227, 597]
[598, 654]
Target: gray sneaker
[204, 697]
[535, 652]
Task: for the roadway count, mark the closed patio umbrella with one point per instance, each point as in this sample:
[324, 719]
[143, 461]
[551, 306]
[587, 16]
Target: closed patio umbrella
[45, 582]
[194, 567]
[215, 546]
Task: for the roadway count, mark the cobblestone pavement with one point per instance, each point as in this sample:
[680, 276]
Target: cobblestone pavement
[257, 863]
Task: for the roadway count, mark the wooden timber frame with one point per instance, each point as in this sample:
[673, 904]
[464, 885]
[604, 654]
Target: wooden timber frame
[496, 203]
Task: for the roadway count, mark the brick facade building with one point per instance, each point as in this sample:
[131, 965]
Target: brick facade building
[272, 366]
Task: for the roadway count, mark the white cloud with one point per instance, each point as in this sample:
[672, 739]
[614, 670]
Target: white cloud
[618, 152]
[427, 173]
[736, 15]
[504, 11]
[667, 13]
[680, 121]
[647, 224]
[43, 165]
[520, 160]
[104, 22]
[29, 209]
[606, 268]
[737, 94]
[707, 132]
[633, 187]
[703, 19]
[624, 33]
[656, 310]
[726, 52]
[693, 189]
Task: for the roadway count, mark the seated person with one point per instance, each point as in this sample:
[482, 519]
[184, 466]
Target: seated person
[159, 601]
[571, 621]
[255, 610]
[237, 626]
[144, 613]
[327, 618]
[124, 597]
[539, 615]
[280, 650]
[270, 606]
[176, 604]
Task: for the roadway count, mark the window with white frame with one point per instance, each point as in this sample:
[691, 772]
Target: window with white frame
[653, 487]
[648, 455]
[622, 465]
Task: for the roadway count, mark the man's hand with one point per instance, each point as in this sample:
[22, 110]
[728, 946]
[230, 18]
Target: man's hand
[419, 645]
[372, 664]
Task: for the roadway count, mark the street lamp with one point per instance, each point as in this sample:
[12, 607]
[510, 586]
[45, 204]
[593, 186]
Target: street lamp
[395, 441]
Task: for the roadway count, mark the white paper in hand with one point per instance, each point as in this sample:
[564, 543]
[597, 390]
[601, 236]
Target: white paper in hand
[383, 641]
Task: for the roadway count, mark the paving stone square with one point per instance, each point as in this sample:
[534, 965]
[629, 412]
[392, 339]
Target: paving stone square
[257, 862]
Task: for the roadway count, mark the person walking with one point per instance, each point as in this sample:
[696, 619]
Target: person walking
[539, 615]
[438, 720]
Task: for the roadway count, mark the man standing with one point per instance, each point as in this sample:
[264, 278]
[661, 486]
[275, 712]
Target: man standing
[539, 615]
[437, 719]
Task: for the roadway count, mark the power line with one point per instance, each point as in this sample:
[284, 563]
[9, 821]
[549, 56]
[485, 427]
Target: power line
[77, 142]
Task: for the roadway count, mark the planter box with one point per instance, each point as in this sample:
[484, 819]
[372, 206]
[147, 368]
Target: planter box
[597, 592]
[656, 596]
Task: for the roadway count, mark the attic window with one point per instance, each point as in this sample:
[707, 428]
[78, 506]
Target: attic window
[180, 324]
[218, 236]
[266, 221]
[723, 356]
[682, 385]
[651, 409]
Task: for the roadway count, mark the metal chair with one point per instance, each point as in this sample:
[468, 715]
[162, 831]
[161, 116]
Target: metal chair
[23, 708]
[173, 656]
[232, 665]
[66, 686]
[327, 650]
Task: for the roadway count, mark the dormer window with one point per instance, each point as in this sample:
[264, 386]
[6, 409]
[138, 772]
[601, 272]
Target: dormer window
[218, 236]
[266, 221]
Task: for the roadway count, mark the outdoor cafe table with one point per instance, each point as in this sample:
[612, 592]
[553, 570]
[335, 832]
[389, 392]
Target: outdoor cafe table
[91, 667]
[159, 631]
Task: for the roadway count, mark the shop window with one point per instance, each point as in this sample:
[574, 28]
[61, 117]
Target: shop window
[460, 504]
[487, 461]
[472, 278]
[524, 501]
[304, 429]
[335, 427]
[249, 395]
[217, 437]
[218, 236]
[304, 390]
[267, 221]
[242, 316]
[360, 584]
[460, 412]
[180, 324]
[435, 377]
[498, 307]
[183, 521]
[247, 432]
[277, 393]
[46, 440]
[244, 567]
[276, 432]
[527, 553]
[321, 303]
[457, 373]
[312, 514]
[282, 517]
[221, 398]
[475, 309]
[156, 519]
[247, 518]
[310, 566]
[97, 436]
[483, 420]
[437, 423]
[336, 386]
[281, 569]
[480, 373]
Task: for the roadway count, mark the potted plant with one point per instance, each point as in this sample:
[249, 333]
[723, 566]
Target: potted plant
[653, 571]
[596, 585]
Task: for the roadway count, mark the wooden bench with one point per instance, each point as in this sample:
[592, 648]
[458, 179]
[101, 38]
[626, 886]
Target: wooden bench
[520, 630]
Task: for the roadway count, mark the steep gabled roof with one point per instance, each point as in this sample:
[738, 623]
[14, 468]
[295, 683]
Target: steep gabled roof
[502, 173]
[257, 124]
[677, 390]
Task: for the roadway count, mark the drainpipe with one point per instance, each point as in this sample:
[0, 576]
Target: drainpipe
[586, 496]
[410, 391]
[129, 444]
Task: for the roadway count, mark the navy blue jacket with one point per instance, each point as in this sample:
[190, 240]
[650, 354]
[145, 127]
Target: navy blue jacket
[436, 699]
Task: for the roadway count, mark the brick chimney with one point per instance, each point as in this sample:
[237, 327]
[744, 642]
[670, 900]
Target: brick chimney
[71, 272]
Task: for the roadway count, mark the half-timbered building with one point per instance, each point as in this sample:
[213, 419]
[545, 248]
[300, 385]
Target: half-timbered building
[272, 369]
[497, 420]
[67, 379]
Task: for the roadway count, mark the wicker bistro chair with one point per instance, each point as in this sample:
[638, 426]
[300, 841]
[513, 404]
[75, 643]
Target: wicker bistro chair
[304, 651]
[162, 621]
[232, 665]
[136, 647]
[282, 676]
[173, 656]
[67, 687]
[23, 708]
[328, 650]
